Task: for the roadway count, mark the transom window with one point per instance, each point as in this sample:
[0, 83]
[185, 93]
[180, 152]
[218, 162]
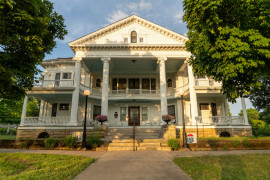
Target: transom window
[66, 76]
[133, 37]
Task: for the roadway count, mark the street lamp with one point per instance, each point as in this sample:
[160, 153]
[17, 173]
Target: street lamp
[181, 93]
[86, 93]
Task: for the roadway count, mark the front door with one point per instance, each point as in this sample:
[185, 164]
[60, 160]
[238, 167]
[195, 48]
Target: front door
[134, 115]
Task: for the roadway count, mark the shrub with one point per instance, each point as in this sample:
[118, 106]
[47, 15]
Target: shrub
[12, 132]
[265, 131]
[94, 141]
[23, 145]
[70, 141]
[246, 143]
[50, 142]
[225, 147]
[173, 143]
[235, 143]
[3, 131]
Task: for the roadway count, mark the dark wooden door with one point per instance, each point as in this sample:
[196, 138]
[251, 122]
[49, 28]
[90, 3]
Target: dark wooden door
[134, 115]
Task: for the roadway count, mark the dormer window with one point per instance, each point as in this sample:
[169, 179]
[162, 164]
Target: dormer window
[133, 37]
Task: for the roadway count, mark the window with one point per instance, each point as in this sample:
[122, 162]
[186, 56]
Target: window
[153, 84]
[144, 114]
[98, 83]
[141, 40]
[122, 84]
[66, 76]
[169, 82]
[54, 109]
[146, 84]
[133, 37]
[123, 113]
[125, 40]
[171, 110]
[114, 84]
[57, 80]
[64, 107]
[204, 106]
[96, 111]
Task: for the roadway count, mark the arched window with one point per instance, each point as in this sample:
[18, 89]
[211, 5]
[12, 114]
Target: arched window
[98, 82]
[169, 82]
[43, 135]
[133, 37]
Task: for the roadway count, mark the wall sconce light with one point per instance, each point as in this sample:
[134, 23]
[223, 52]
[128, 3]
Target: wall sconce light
[115, 115]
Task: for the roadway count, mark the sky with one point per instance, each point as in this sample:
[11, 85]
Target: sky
[85, 16]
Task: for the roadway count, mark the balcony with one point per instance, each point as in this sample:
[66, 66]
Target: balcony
[55, 83]
[220, 120]
[207, 83]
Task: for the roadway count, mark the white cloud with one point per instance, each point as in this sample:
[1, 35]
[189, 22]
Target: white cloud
[116, 16]
[144, 5]
[132, 6]
[179, 17]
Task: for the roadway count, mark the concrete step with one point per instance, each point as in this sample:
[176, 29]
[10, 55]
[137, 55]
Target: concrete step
[149, 148]
[122, 144]
[120, 148]
[149, 144]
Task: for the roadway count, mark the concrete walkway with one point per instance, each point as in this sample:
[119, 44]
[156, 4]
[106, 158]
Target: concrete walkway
[135, 165]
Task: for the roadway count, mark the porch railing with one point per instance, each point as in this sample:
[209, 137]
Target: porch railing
[206, 82]
[55, 83]
[46, 121]
[220, 120]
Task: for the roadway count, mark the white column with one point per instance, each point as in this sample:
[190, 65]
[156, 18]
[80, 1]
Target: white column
[75, 94]
[193, 96]
[41, 109]
[226, 108]
[45, 109]
[25, 102]
[105, 85]
[244, 111]
[179, 112]
[163, 85]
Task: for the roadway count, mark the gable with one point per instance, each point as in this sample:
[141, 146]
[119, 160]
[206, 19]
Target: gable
[117, 32]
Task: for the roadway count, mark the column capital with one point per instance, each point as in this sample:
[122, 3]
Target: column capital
[105, 59]
[77, 59]
[162, 58]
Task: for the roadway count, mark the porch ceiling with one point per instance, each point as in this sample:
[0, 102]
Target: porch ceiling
[52, 97]
[133, 66]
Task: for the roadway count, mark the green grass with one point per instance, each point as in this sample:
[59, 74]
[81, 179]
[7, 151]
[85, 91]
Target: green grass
[41, 166]
[250, 166]
[232, 138]
[7, 137]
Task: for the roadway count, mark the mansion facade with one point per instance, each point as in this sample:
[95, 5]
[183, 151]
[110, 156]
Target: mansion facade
[137, 71]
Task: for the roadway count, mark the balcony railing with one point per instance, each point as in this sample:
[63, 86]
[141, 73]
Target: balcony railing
[220, 120]
[41, 121]
[55, 83]
[206, 82]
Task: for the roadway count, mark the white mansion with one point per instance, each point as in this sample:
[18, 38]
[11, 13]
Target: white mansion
[134, 69]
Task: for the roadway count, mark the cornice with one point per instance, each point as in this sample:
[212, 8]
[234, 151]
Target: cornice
[135, 47]
[124, 22]
[57, 62]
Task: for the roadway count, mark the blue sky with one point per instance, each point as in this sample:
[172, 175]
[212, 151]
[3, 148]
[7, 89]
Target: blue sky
[85, 16]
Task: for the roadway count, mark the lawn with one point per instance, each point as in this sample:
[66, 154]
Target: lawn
[250, 166]
[7, 137]
[41, 166]
[233, 138]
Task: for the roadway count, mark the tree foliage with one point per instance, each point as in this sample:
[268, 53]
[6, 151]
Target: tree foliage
[11, 110]
[28, 29]
[230, 40]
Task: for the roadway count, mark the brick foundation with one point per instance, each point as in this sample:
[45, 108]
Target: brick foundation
[33, 133]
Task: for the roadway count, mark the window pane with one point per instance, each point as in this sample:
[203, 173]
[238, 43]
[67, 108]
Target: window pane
[114, 84]
[66, 75]
[169, 82]
[141, 39]
[145, 84]
[204, 106]
[54, 109]
[64, 107]
[122, 83]
[171, 110]
[122, 113]
[144, 114]
[98, 83]
[133, 37]
[153, 84]
[96, 111]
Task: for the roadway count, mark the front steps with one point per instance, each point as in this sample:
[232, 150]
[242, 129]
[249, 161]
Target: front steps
[139, 145]
[140, 133]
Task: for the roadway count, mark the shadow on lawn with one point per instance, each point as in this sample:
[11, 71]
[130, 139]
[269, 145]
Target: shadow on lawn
[232, 169]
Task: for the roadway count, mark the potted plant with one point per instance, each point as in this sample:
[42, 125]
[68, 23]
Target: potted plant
[101, 118]
[167, 118]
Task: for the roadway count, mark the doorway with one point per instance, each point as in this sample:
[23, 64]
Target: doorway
[134, 115]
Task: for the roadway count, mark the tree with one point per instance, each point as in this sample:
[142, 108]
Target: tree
[11, 110]
[253, 114]
[28, 29]
[230, 40]
[265, 114]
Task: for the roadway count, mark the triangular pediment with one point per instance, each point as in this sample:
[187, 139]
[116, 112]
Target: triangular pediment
[119, 32]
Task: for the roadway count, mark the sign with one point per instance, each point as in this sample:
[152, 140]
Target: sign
[191, 138]
[79, 135]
